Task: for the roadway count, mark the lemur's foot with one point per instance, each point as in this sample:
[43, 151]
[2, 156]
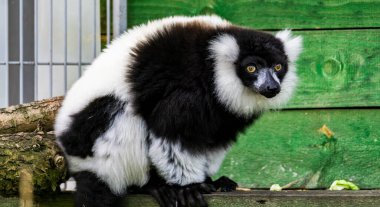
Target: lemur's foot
[225, 184]
[164, 195]
[192, 195]
[181, 196]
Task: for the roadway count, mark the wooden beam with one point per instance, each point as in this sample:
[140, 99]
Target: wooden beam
[314, 198]
[260, 14]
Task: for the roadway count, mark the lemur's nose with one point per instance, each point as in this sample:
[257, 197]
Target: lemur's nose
[273, 88]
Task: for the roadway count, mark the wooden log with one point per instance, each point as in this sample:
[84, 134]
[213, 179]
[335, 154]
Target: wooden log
[29, 117]
[36, 152]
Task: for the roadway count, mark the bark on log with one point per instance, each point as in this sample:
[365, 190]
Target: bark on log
[36, 152]
[29, 117]
[27, 143]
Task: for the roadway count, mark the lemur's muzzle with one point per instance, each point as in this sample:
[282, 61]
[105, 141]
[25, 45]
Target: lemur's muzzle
[270, 88]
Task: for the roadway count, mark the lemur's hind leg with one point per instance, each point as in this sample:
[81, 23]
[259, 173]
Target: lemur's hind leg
[92, 192]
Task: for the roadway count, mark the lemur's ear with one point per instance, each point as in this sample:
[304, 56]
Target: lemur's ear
[293, 45]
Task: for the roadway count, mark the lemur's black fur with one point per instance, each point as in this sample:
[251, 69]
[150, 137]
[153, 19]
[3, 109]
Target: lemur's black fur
[89, 124]
[93, 192]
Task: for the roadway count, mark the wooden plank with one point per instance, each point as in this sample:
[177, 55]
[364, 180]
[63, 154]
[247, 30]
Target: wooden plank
[286, 146]
[339, 69]
[265, 14]
[300, 14]
[243, 199]
[279, 199]
[141, 11]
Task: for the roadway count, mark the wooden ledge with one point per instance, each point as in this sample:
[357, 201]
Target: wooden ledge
[259, 198]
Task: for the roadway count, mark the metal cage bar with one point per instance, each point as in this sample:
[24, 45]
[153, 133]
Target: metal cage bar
[119, 17]
[80, 40]
[35, 49]
[6, 52]
[21, 51]
[51, 49]
[95, 29]
[65, 48]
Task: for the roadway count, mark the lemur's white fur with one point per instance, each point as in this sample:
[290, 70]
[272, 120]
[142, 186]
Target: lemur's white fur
[229, 88]
[173, 171]
[293, 45]
[120, 154]
[112, 163]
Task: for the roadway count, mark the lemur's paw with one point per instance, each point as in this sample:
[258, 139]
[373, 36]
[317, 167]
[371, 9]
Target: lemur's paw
[180, 196]
[165, 195]
[225, 184]
[191, 195]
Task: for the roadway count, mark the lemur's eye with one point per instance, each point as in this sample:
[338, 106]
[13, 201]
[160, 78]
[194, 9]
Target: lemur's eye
[278, 67]
[251, 69]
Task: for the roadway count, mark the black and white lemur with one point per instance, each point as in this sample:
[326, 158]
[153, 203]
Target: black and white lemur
[162, 105]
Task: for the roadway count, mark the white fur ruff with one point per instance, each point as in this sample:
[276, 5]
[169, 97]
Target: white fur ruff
[230, 90]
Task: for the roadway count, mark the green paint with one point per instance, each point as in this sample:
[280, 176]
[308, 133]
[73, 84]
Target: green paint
[339, 69]
[286, 146]
[265, 14]
[300, 14]
[143, 11]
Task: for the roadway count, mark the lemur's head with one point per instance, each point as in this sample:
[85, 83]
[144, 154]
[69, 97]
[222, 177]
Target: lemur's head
[254, 71]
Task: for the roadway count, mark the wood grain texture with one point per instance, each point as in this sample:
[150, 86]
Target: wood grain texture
[286, 146]
[242, 199]
[339, 69]
[300, 14]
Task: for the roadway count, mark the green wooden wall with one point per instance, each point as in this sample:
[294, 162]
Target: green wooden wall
[339, 86]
